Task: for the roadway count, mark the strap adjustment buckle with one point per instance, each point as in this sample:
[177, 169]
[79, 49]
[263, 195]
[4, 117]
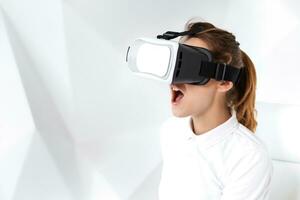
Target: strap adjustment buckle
[221, 71]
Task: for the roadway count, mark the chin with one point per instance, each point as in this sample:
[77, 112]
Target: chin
[179, 114]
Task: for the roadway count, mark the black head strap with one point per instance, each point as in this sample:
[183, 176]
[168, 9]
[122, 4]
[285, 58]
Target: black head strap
[171, 35]
[220, 71]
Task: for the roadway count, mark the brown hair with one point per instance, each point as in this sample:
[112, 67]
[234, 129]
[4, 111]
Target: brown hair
[225, 48]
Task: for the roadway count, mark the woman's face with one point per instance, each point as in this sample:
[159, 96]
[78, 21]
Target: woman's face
[196, 99]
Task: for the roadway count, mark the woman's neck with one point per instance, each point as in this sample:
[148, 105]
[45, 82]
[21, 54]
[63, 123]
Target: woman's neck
[210, 119]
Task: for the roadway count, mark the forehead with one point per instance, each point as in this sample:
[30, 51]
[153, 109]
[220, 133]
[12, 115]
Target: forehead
[195, 42]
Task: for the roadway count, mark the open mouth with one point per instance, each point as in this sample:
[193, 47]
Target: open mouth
[177, 94]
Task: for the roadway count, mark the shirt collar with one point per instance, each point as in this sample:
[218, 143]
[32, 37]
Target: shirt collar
[212, 136]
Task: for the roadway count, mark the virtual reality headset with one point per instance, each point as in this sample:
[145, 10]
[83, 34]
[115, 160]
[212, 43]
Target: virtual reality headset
[172, 62]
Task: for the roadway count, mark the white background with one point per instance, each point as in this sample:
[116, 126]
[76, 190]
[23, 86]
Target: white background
[76, 124]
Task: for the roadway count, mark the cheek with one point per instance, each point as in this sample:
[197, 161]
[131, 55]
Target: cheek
[200, 97]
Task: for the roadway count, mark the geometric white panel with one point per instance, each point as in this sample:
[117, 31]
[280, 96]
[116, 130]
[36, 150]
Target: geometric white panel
[16, 121]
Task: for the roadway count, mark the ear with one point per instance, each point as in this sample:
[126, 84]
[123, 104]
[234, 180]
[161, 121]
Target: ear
[224, 86]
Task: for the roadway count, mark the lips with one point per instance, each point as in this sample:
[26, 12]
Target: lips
[177, 94]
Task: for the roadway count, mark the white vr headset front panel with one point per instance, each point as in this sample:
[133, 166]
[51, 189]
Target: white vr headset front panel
[133, 58]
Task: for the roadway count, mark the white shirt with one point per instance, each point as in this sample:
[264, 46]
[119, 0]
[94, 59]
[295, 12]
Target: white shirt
[228, 162]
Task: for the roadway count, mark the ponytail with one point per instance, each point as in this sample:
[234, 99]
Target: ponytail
[245, 102]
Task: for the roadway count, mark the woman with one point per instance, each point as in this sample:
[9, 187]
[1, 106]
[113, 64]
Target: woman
[209, 147]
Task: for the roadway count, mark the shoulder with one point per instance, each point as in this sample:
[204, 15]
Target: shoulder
[247, 150]
[249, 177]
[247, 140]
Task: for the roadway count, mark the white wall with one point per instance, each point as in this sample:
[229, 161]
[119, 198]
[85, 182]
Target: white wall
[76, 124]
